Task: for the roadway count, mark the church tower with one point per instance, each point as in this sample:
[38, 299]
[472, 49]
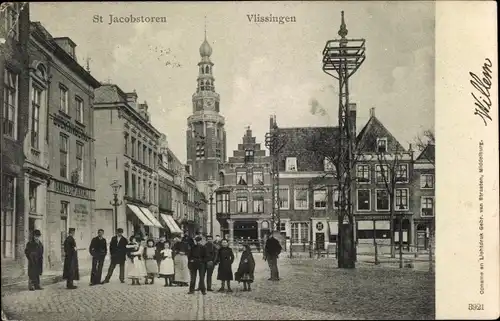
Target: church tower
[205, 135]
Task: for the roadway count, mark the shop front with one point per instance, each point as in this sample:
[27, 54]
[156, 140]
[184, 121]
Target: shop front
[68, 206]
[141, 221]
[173, 229]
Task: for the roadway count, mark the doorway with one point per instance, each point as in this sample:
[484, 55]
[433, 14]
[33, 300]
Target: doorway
[320, 241]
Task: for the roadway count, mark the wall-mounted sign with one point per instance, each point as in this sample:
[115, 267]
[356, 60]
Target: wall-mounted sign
[81, 208]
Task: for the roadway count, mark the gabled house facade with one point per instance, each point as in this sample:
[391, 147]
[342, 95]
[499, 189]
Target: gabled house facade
[243, 199]
[384, 176]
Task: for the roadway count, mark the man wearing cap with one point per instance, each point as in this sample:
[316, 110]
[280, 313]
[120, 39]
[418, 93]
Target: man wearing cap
[211, 251]
[118, 252]
[196, 265]
[70, 272]
[34, 254]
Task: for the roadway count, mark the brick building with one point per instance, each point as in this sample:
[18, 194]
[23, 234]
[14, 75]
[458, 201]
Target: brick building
[307, 187]
[243, 200]
[62, 138]
[14, 120]
[127, 147]
[423, 197]
[383, 168]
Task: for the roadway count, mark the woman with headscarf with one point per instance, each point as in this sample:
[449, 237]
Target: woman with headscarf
[225, 260]
[246, 268]
[181, 249]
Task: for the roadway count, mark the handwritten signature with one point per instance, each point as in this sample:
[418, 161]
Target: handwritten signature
[483, 86]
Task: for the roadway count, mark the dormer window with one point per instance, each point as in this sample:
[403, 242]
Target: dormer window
[249, 153]
[291, 164]
[381, 145]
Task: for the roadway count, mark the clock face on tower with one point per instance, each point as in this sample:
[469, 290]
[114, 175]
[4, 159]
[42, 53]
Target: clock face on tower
[209, 104]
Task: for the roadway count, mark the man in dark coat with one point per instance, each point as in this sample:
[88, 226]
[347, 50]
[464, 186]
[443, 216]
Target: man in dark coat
[34, 254]
[118, 252]
[211, 251]
[197, 259]
[271, 252]
[98, 250]
[70, 272]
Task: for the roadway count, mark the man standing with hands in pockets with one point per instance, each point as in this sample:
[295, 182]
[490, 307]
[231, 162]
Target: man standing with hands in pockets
[211, 252]
[118, 252]
[98, 249]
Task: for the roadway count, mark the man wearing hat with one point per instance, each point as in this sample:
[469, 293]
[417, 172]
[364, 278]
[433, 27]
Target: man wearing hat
[211, 251]
[70, 272]
[196, 264]
[118, 252]
[34, 254]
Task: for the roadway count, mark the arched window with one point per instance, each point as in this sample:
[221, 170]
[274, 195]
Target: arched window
[206, 70]
[42, 71]
[202, 85]
[221, 178]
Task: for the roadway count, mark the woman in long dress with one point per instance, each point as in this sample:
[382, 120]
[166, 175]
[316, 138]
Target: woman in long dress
[225, 260]
[181, 250]
[166, 264]
[150, 261]
[246, 268]
[135, 264]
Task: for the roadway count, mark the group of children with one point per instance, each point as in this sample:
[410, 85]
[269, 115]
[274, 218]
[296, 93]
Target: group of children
[149, 261]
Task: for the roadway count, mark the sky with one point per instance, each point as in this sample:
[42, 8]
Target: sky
[260, 68]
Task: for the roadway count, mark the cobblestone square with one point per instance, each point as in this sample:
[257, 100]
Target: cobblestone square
[308, 290]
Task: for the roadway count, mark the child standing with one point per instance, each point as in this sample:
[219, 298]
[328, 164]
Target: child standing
[246, 268]
[135, 265]
[150, 261]
[167, 265]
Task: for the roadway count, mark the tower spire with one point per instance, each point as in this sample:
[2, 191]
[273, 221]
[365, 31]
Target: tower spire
[205, 27]
[343, 27]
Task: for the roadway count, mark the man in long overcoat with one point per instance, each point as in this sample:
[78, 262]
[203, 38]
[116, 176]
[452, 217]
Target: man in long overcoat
[271, 252]
[34, 254]
[118, 252]
[98, 250]
[71, 271]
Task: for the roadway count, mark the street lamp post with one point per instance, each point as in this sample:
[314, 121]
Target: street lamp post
[211, 190]
[115, 202]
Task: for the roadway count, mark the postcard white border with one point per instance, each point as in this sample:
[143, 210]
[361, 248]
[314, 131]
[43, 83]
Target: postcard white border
[466, 34]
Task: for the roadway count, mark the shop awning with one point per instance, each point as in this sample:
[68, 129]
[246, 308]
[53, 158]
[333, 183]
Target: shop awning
[171, 224]
[334, 228]
[140, 215]
[151, 217]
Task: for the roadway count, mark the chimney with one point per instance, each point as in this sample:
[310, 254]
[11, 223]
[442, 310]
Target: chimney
[352, 118]
[372, 112]
[67, 45]
[132, 99]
